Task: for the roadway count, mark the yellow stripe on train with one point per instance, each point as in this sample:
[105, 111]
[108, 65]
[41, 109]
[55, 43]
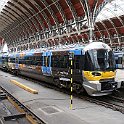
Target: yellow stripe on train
[103, 75]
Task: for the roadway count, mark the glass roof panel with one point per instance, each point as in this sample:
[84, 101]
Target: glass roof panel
[112, 9]
[2, 4]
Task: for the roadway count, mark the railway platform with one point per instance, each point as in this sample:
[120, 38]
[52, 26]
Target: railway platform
[54, 106]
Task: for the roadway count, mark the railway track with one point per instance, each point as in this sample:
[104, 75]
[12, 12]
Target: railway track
[108, 102]
[22, 110]
[111, 101]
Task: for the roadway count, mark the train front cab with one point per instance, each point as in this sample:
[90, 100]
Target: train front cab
[4, 61]
[13, 60]
[99, 72]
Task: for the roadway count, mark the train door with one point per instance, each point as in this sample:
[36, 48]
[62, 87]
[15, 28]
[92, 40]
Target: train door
[119, 58]
[17, 61]
[123, 61]
[78, 63]
[46, 68]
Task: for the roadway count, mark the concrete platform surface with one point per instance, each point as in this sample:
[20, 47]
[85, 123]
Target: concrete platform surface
[53, 106]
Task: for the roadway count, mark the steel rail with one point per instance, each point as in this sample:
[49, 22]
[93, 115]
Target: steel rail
[32, 117]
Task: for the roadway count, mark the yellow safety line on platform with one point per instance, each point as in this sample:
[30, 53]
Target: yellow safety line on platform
[24, 87]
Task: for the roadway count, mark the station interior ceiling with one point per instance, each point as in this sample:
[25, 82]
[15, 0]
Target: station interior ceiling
[27, 24]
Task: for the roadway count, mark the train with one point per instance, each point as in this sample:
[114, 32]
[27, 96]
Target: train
[4, 61]
[119, 59]
[91, 66]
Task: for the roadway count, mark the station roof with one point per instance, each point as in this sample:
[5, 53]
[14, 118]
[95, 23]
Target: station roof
[20, 19]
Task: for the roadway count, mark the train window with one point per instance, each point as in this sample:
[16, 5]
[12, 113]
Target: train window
[63, 61]
[44, 62]
[66, 61]
[88, 63]
[55, 61]
[48, 59]
[41, 60]
[60, 61]
[21, 61]
[12, 60]
[28, 60]
[16, 60]
[38, 59]
[76, 61]
[119, 60]
[33, 60]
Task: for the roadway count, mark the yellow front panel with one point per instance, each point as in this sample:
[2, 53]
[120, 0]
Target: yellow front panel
[104, 75]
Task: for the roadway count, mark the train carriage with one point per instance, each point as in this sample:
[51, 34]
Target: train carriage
[13, 62]
[4, 61]
[93, 67]
[119, 59]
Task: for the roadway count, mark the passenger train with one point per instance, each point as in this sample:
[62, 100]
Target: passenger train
[4, 61]
[119, 59]
[93, 67]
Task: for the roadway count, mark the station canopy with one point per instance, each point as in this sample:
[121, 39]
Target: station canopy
[52, 22]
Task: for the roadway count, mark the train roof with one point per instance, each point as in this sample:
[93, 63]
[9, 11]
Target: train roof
[72, 47]
[97, 45]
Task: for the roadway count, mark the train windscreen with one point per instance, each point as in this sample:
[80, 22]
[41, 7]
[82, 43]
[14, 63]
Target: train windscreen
[99, 59]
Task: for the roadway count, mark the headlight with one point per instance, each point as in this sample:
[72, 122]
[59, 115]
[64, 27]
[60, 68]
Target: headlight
[96, 73]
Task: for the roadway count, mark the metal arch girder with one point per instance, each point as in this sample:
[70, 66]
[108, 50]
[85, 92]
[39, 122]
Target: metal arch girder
[121, 21]
[8, 28]
[15, 35]
[72, 10]
[27, 25]
[31, 15]
[117, 32]
[88, 12]
[110, 20]
[106, 30]
[99, 9]
[51, 11]
[7, 18]
[38, 2]
[6, 13]
[31, 12]
[59, 8]
[101, 35]
[9, 36]
[114, 28]
[24, 14]
[4, 21]
[99, 32]
[14, 17]
[89, 16]
[36, 12]
[60, 11]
